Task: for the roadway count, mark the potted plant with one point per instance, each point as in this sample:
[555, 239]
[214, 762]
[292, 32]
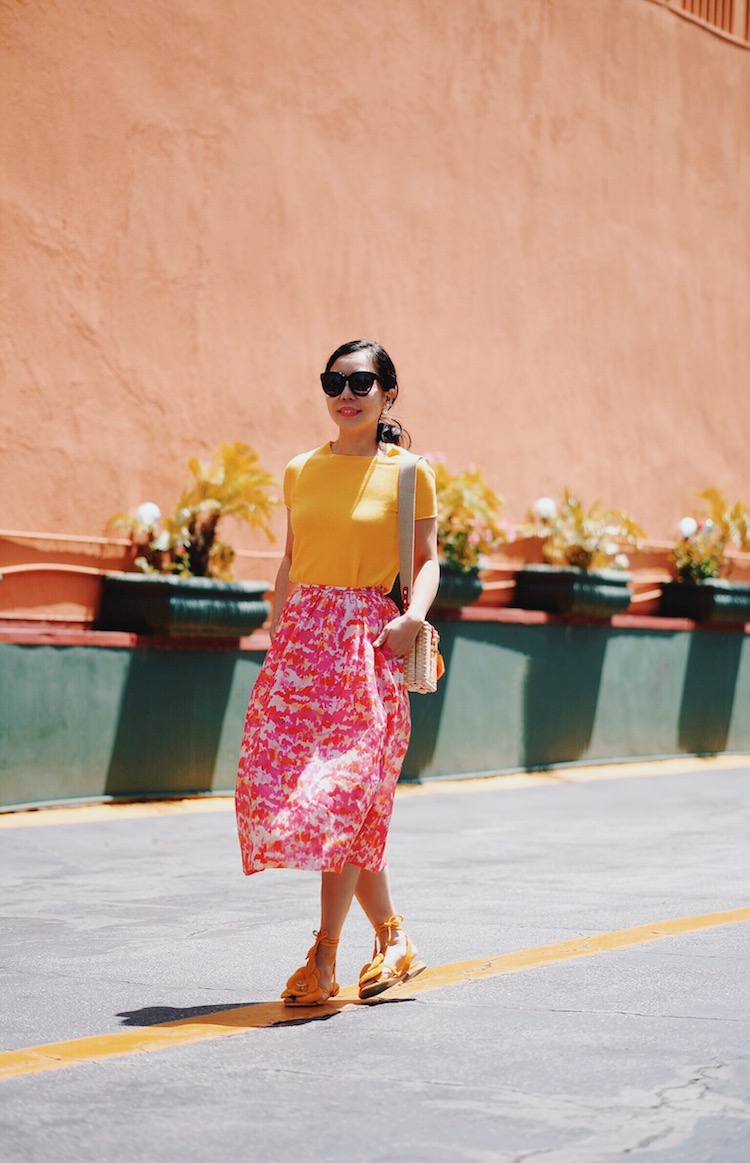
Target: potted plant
[701, 589]
[585, 570]
[184, 585]
[470, 526]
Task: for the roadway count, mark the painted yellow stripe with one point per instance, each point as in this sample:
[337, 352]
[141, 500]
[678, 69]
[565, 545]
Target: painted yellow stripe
[182, 1032]
[462, 972]
[103, 813]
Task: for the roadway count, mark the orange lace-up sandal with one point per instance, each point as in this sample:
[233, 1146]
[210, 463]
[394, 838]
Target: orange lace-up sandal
[303, 987]
[377, 976]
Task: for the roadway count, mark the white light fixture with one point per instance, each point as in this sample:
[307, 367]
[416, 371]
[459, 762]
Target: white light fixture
[687, 527]
[147, 514]
[545, 508]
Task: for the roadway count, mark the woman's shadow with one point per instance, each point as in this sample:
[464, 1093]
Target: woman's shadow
[245, 1015]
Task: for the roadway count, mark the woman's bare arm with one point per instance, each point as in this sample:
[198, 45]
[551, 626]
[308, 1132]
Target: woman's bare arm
[401, 632]
[283, 587]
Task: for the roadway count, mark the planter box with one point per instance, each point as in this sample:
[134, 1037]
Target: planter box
[458, 588]
[710, 600]
[164, 717]
[161, 604]
[567, 590]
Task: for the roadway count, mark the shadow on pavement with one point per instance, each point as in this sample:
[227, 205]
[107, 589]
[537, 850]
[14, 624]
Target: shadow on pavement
[158, 1015]
[248, 1014]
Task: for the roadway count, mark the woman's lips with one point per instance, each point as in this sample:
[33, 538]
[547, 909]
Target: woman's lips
[348, 411]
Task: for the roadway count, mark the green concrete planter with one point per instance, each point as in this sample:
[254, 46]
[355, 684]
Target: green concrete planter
[568, 590]
[457, 588]
[93, 717]
[162, 604]
[709, 600]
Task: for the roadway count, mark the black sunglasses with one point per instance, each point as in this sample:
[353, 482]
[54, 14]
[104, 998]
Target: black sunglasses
[359, 382]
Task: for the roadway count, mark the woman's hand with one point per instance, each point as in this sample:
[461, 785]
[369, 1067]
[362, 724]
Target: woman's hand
[400, 634]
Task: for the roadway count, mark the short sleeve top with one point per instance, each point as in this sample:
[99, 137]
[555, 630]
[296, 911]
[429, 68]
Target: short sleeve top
[344, 515]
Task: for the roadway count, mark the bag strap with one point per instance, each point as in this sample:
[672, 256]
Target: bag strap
[407, 508]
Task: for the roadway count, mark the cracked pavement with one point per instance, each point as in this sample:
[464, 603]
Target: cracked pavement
[635, 1053]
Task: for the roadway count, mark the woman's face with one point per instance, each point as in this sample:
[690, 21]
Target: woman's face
[357, 413]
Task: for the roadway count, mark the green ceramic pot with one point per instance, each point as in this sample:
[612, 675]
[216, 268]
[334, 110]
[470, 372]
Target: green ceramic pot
[161, 604]
[569, 590]
[708, 600]
[457, 587]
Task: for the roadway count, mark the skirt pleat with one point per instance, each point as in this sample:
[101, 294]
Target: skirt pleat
[325, 736]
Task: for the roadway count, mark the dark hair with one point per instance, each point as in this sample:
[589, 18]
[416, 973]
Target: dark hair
[389, 431]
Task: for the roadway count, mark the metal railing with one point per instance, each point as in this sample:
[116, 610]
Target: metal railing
[730, 16]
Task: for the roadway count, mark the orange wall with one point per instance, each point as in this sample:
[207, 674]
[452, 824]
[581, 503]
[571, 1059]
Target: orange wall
[540, 208]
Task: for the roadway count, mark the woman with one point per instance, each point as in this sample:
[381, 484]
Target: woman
[328, 722]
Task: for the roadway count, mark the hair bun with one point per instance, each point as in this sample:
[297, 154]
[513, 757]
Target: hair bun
[391, 432]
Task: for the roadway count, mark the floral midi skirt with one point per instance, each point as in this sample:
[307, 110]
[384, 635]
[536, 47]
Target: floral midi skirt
[325, 736]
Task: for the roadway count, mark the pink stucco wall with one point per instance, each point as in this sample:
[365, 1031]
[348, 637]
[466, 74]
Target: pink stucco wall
[541, 209]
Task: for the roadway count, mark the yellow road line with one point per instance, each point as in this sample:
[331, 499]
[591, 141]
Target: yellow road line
[104, 813]
[462, 972]
[183, 1031]
[512, 781]
[583, 773]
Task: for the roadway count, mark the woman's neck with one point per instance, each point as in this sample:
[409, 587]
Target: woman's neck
[354, 444]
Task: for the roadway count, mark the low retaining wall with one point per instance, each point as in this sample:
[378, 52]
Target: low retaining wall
[537, 692]
[99, 715]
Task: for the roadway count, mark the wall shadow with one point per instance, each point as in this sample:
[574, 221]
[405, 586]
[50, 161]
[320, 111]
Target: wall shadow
[427, 711]
[170, 721]
[561, 693]
[708, 691]
[557, 670]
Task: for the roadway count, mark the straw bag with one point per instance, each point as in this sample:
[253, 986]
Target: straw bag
[421, 663]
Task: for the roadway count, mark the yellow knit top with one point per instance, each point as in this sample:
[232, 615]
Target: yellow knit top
[344, 515]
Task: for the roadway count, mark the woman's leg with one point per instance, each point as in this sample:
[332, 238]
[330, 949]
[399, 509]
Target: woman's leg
[373, 892]
[336, 893]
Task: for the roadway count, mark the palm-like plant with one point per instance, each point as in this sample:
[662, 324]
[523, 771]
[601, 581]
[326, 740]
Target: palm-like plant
[701, 551]
[233, 484]
[586, 538]
[469, 516]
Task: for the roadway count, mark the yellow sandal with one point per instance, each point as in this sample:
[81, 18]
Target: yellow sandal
[303, 987]
[376, 977]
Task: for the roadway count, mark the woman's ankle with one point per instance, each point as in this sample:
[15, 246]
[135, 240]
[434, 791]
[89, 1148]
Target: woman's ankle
[325, 960]
[391, 934]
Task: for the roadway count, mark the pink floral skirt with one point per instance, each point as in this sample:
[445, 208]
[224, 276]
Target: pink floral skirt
[325, 737]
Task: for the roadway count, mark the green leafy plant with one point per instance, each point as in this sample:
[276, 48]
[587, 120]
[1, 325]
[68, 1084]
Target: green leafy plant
[587, 538]
[232, 484]
[469, 516]
[701, 551]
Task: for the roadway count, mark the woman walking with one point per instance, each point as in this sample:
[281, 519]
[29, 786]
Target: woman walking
[328, 722]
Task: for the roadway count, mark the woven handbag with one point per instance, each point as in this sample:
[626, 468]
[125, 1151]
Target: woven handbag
[421, 663]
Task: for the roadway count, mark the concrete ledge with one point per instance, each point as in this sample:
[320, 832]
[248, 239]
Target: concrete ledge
[95, 715]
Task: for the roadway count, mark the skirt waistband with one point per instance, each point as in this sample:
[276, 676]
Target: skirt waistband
[314, 587]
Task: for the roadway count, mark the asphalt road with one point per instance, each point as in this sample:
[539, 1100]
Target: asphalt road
[623, 1040]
